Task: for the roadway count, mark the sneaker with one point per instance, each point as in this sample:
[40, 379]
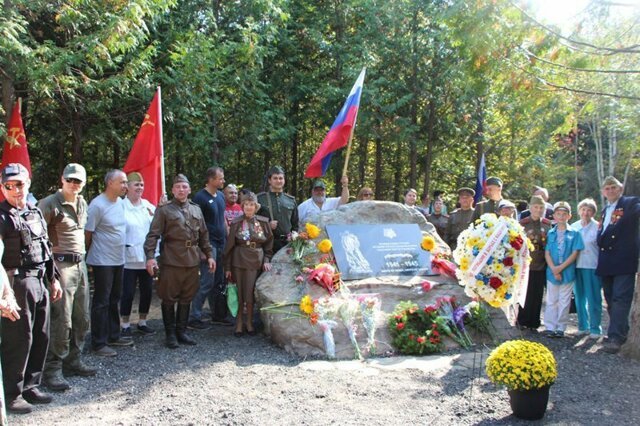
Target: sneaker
[223, 321]
[197, 325]
[548, 333]
[581, 333]
[79, 369]
[121, 342]
[595, 336]
[19, 406]
[558, 334]
[105, 351]
[36, 396]
[533, 330]
[146, 330]
[126, 333]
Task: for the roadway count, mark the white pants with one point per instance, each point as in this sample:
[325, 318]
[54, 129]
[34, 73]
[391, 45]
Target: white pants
[556, 313]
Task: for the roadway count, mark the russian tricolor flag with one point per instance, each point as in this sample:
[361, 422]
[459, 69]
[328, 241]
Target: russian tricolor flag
[340, 132]
[481, 181]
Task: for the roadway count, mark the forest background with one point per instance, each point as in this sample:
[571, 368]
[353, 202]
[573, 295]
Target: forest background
[250, 84]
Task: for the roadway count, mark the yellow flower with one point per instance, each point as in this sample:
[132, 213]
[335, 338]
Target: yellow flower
[428, 243]
[521, 364]
[325, 246]
[312, 230]
[306, 305]
[464, 264]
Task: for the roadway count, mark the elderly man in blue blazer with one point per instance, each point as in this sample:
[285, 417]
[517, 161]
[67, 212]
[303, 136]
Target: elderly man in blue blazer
[619, 244]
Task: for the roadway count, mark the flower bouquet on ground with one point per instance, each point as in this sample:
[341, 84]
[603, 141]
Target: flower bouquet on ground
[414, 330]
[493, 260]
[522, 365]
[451, 319]
[479, 319]
[527, 369]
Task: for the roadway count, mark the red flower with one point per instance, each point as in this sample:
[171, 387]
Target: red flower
[430, 309]
[421, 339]
[399, 326]
[508, 261]
[434, 340]
[517, 243]
[398, 317]
[495, 282]
[435, 333]
[411, 337]
[426, 286]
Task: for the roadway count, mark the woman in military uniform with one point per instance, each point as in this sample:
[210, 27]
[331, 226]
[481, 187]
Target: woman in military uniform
[249, 249]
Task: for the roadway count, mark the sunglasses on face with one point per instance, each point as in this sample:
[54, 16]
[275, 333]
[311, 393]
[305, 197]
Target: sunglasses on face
[72, 180]
[11, 186]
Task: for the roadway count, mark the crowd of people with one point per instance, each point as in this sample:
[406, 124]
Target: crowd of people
[193, 247]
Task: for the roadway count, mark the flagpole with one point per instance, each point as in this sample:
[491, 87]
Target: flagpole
[162, 184]
[346, 158]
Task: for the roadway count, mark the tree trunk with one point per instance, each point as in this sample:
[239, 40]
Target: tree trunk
[631, 349]
[363, 148]
[378, 174]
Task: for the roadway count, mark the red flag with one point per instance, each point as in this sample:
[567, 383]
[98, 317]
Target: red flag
[146, 155]
[15, 146]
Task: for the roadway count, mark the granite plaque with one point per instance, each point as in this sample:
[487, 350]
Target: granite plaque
[372, 250]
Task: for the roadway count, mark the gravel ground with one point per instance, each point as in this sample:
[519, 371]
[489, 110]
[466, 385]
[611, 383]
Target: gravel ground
[230, 381]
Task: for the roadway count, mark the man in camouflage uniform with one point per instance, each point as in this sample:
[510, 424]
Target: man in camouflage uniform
[180, 224]
[280, 208]
[536, 228]
[460, 218]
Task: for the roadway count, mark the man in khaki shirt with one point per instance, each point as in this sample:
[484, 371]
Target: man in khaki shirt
[460, 219]
[65, 212]
[181, 226]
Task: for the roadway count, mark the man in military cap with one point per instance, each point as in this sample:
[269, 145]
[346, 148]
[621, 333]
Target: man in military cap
[27, 260]
[65, 212]
[460, 219]
[542, 192]
[319, 201]
[619, 244]
[280, 208]
[536, 226]
[494, 193]
[439, 219]
[180, 223]
[506, 208]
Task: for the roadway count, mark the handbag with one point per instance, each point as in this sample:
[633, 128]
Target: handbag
[232, 298]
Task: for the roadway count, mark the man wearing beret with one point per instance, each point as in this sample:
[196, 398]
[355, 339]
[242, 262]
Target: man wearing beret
[319, 201]
[619, 244]
[65, 212]
[279, 207]
[494, 193]
[536, 227]
[27, 260]
[180, 224]
[460, 219]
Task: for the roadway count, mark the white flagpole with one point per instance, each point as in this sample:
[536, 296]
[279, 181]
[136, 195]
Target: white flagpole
[161, 141]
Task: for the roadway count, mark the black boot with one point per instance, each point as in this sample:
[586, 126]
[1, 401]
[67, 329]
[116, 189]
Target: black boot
[181, 325]
[169, 318]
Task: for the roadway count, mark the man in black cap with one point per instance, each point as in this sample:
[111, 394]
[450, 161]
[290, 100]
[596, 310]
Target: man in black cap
[180, 223]
[27, 259]
[280, 208]
[319, 201]
[494, 195]
[460, 218]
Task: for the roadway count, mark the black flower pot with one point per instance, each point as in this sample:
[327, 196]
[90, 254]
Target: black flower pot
[529, 404]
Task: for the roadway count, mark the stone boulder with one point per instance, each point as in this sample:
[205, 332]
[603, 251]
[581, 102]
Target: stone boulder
[298, 336]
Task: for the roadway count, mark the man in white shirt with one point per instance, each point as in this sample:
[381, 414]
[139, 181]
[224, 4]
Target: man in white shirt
[319, 201]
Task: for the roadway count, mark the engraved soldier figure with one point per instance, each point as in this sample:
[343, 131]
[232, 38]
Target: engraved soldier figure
[180, 224]
[279, 207]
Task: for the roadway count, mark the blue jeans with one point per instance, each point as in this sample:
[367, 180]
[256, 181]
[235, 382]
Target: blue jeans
[588, 293]
[212, 288]
[618, 292]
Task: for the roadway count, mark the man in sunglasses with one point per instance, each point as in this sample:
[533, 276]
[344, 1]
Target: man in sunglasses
[65, 212]
[27, 260]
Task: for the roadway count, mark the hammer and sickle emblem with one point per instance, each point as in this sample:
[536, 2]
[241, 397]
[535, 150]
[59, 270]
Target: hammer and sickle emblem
[147, 120]
[13, 135]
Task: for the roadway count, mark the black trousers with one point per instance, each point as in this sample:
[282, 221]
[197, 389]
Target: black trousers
[25, 341]
[105, 318]
[529, 316]
[145, 282]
